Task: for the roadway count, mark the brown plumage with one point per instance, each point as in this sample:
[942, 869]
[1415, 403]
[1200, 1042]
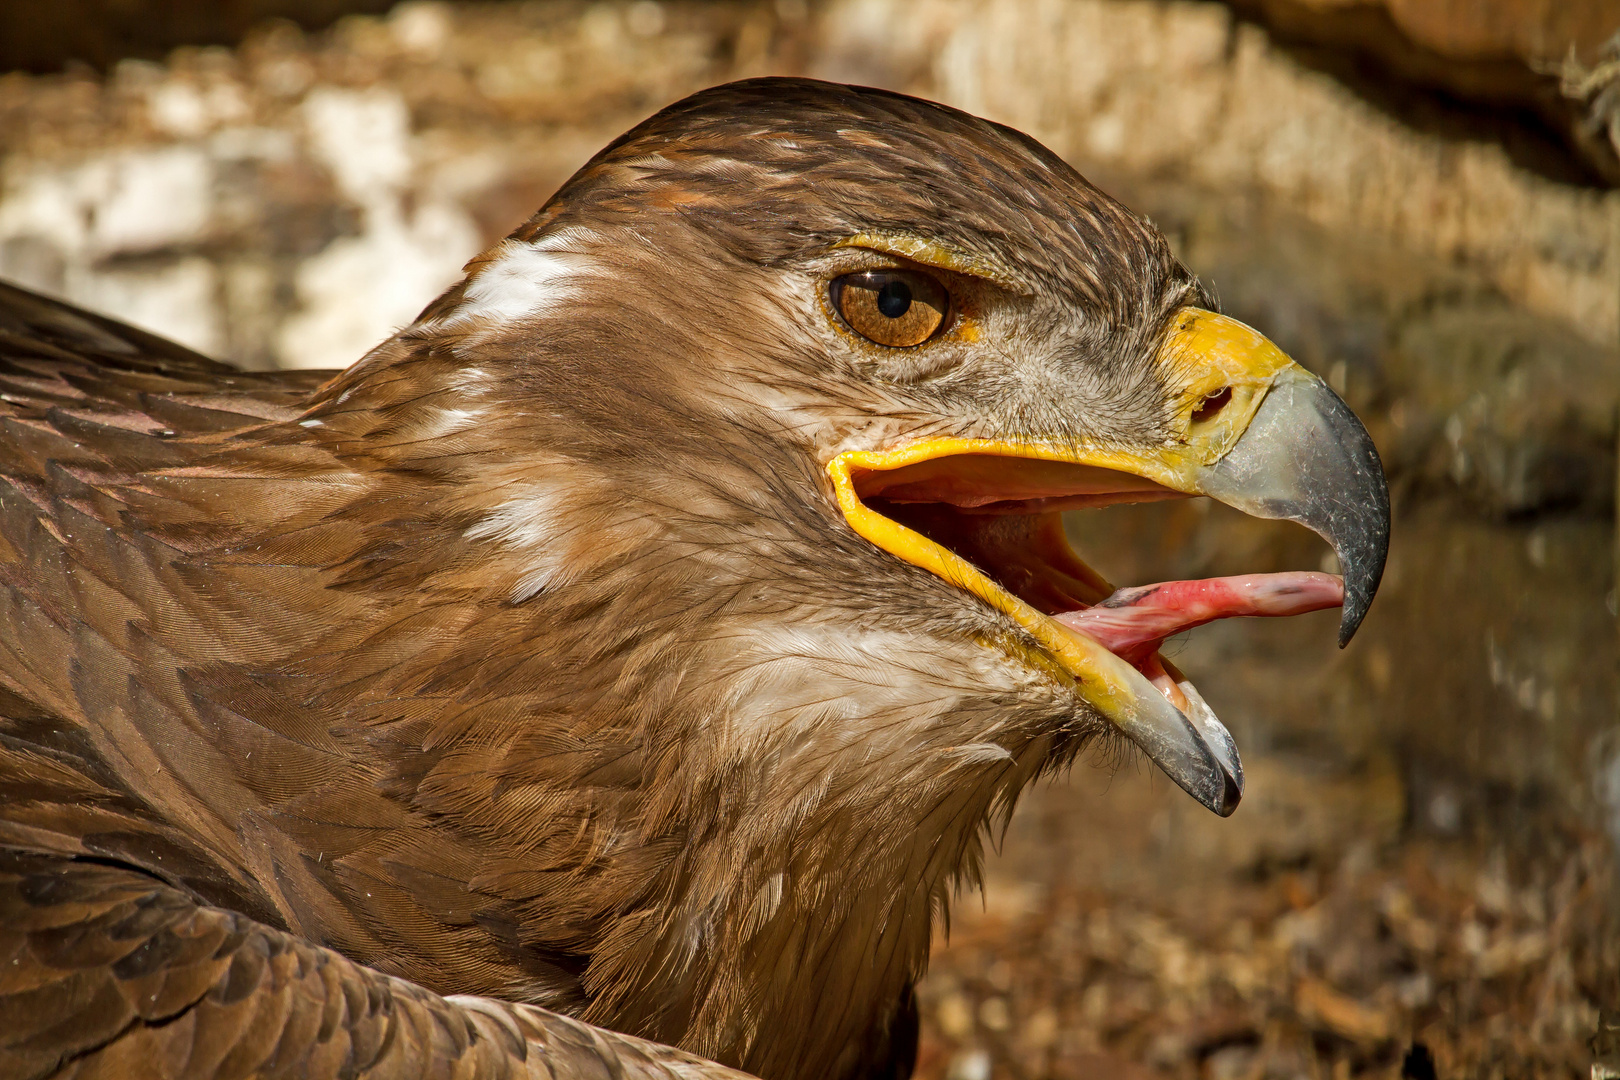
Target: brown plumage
[531, 657]
[115, 974]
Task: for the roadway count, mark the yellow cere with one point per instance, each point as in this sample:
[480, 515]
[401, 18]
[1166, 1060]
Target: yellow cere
[1206, 353]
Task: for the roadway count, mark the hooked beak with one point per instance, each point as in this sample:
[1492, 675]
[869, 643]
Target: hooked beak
[1306, 458]
[1253, 430]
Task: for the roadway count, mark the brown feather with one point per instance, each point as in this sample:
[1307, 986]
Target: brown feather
[529, 657]
[109, 973]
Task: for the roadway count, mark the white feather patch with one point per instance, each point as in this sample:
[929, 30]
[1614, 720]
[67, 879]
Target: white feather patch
[536, 522]
[448, 422]
[560, 522]
[524, 280]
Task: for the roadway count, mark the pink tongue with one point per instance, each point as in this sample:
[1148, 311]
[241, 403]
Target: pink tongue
[1134, 622]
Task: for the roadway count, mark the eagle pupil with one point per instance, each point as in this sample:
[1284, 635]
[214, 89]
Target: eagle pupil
[894, 299]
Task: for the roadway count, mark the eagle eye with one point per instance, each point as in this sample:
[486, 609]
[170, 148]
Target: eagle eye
[896, 308]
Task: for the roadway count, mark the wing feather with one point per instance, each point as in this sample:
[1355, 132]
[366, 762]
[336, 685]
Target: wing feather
[220, 671]
[106, 972]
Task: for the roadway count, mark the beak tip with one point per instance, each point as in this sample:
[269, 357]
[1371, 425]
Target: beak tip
[1350, 623]
[1364, 574]
[1219, 794]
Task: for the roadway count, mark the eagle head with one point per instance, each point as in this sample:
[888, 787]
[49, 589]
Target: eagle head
[743, 463]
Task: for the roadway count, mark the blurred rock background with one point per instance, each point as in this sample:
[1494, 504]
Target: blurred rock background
[1417, 198]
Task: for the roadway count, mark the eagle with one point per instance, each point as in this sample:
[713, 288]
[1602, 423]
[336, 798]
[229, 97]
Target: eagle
[623, 661]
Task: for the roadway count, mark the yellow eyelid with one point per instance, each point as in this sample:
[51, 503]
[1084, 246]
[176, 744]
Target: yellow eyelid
[940, 256]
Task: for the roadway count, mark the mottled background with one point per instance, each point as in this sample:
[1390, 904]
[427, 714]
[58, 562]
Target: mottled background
[1419, 199]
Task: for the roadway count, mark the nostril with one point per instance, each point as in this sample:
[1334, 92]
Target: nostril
[1212, 405]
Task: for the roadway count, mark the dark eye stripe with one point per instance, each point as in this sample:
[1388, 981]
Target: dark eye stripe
[896, 308]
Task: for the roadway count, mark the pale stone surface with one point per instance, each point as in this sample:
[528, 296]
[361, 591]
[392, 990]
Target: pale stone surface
[60, 227]
[358, 289]
[177, 298]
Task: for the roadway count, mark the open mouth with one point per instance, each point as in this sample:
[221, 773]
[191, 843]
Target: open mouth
[1001, 517]
[986, 516]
